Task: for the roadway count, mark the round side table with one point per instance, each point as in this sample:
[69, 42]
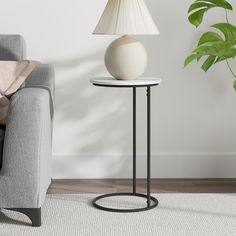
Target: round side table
[146, 83]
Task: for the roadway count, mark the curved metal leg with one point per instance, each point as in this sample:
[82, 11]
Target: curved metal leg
[148, 146]
[152, 202]
[134, 140]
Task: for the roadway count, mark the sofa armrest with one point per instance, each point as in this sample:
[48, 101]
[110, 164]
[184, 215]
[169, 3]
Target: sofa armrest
[26, 171]
[42, 76]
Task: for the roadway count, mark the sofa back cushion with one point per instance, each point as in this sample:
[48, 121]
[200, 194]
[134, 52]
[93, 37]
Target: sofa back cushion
[12, 47]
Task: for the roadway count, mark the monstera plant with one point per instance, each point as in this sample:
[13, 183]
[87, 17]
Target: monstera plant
[213, 46]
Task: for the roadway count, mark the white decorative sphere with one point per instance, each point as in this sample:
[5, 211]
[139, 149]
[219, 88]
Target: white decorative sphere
[126, 58]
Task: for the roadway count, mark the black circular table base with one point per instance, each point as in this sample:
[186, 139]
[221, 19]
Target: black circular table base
[153, 202]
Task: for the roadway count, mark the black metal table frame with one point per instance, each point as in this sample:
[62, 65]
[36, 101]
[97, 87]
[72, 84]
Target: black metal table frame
[152, 202]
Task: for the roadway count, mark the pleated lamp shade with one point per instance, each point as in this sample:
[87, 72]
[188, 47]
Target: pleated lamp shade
[126, 17]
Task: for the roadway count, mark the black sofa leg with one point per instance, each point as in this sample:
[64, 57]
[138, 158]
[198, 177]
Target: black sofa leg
[33, 213]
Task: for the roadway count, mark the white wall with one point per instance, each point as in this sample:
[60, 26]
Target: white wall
[193, 122]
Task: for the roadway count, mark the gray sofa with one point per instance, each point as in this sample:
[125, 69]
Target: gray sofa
[25, 141]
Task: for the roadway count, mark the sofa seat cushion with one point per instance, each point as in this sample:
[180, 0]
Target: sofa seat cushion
[2, 134]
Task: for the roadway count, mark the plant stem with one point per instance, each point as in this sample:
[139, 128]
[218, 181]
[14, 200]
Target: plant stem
[226, 16]
[231, 70]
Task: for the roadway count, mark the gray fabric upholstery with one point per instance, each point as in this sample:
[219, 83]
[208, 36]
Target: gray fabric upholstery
[43, 77]
[26, 170]
[25, 174]
[2, 134]
[12, 48]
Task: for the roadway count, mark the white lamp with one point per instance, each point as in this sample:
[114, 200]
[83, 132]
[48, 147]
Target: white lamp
[126, 58]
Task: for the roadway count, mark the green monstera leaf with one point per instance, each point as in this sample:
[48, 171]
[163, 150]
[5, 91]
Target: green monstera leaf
[209, 37]
[214, 47]
[217, 49]
[206, 38]
[203, 49]
[200, 7]
[228, 30]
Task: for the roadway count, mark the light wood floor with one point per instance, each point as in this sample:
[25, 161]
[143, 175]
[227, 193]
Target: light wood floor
[158, 186]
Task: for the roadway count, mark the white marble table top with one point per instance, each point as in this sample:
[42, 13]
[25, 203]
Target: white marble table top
[109, 81]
